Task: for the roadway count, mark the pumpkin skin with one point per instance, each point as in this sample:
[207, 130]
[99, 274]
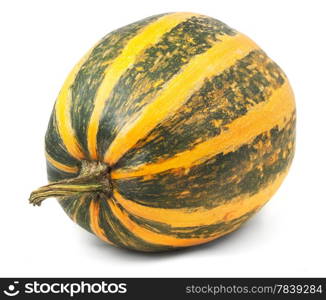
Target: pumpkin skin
[194, 120]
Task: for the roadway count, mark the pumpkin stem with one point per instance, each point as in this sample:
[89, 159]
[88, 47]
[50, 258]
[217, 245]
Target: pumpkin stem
[93, 177]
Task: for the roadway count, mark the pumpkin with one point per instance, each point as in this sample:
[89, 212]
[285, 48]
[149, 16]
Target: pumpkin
[170, 132]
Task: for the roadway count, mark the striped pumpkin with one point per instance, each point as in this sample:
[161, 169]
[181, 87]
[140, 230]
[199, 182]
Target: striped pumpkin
[170, 132]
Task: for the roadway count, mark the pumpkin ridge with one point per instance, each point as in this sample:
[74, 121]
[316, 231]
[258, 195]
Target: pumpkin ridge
[54, 145]
[218, 179]
[206, 114]
[185, 217]
[157, 238]
[154, 67]
[124, 236]
[148, 35]
[89, 75]
[204, 231]
[183, 84]
[240, 131]
[61, 166]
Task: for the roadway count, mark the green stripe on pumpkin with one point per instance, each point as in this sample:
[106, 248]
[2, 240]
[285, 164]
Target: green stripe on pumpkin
[219, 179]
[70, 204]
[81, 214]
[204, 231]
[120, 235]
[221, 100]
[55, 147]
[77, 208]
[91, 75]
[55, 174]
[157, 65]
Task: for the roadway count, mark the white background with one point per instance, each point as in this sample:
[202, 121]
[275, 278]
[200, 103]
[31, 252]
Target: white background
[42, 40]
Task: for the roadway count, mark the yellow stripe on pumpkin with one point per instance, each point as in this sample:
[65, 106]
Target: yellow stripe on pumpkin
[60, 166]
[261, 118]
[94, 212]
[154, 237]
[184, 217]
[62, 112]
[150, 35]
[191, 77]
